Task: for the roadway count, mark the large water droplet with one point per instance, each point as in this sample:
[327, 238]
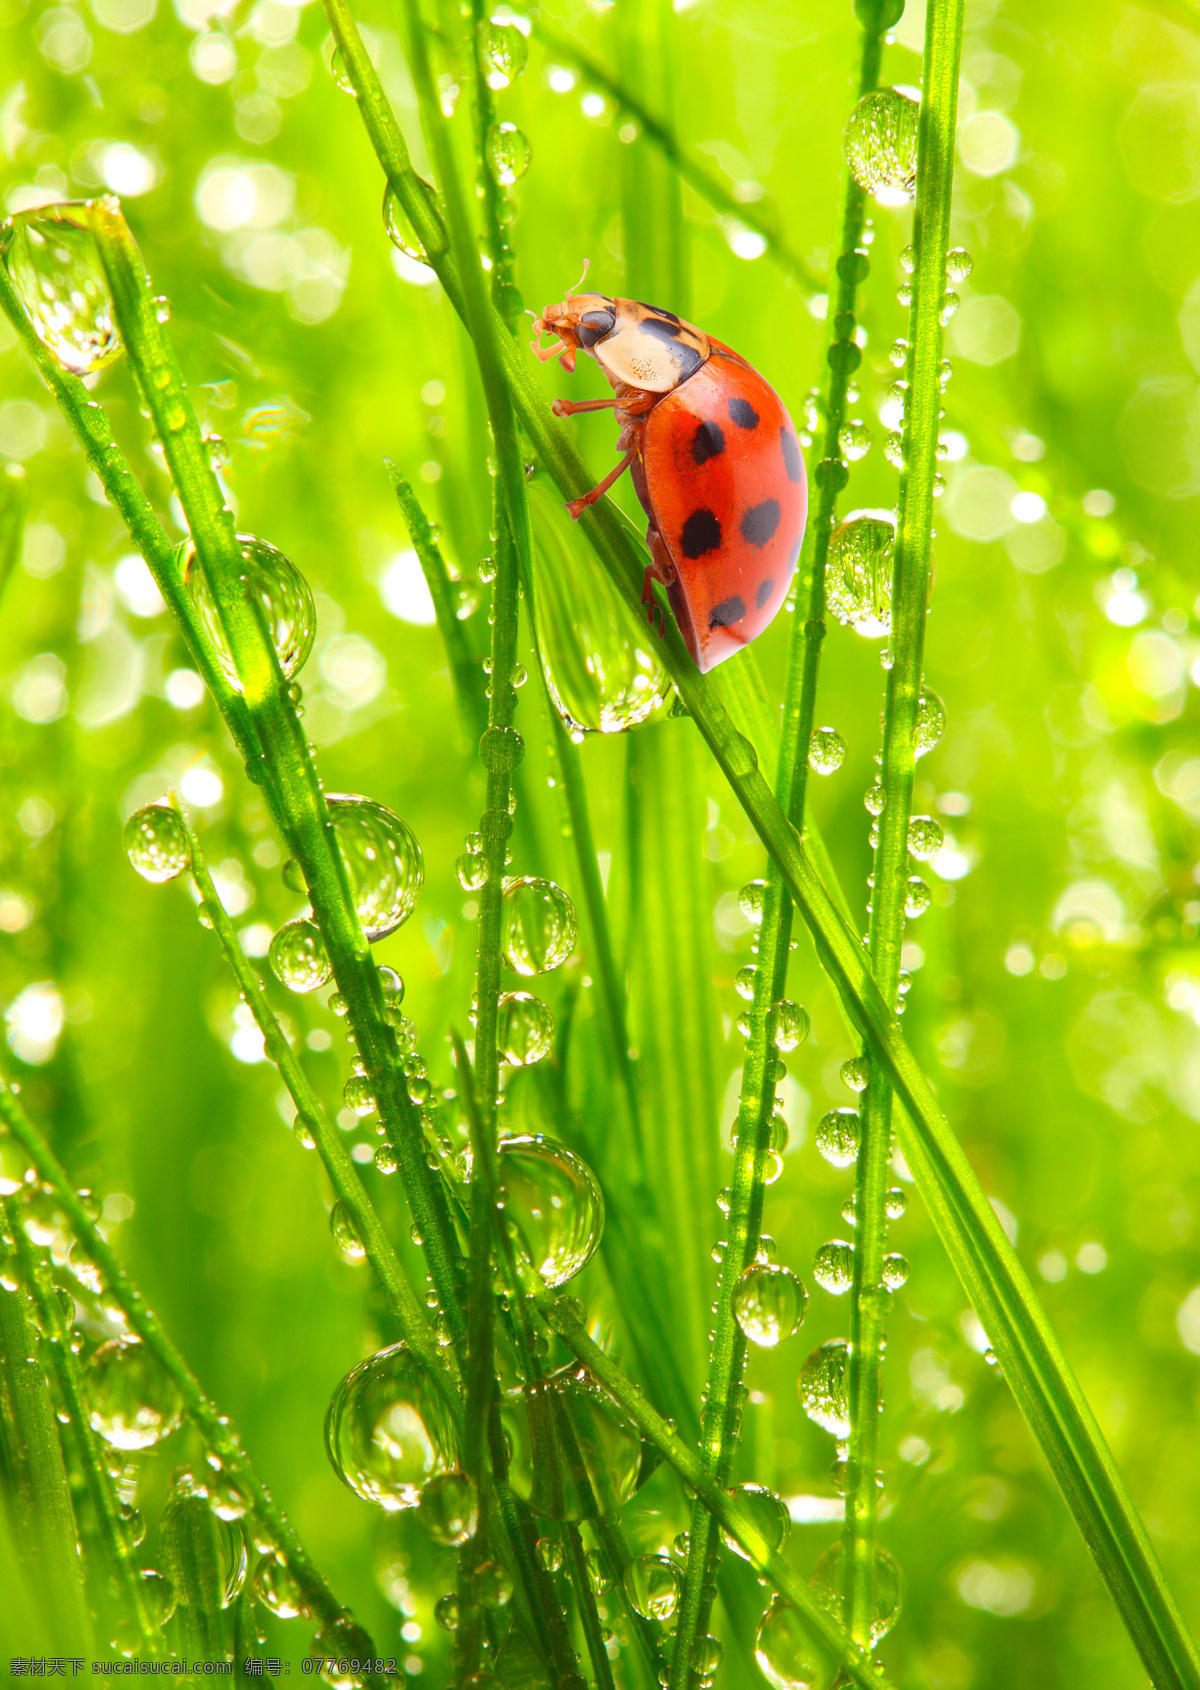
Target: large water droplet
[925, 838]
[298, 956]
[508, 154]
[789, 1656]
[399, 228]
[345, 1233]
[538, 926]
[554, 1203]
[826, 751]
[526, 1029]
[449, 1509]
[859, 573]
[134, 1402]
[856, 1073]
[387, 1431]
[383, 860]
[837, 1136]
[823, 1387]
[277, 1587]
[156, 843]
[916, 897]
[833, 1267]
[768, 1304]
[54, 265]
[791, 1024]
[768, 1513]
[652, 1584]
[575, 1453]
[881, 144]
[854, 441]
[279, 588]
[828, 1585]
[598, 656]
[503, 50]
[894, 1271]
[931, 722]
[959, 265]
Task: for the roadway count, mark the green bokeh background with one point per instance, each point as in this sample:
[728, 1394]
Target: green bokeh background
[1052, 1000]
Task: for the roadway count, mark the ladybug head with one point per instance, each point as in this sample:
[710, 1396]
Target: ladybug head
[580, 320]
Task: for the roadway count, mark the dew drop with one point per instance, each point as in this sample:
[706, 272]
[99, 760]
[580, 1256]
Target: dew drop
[135, 1403]
[768, 1304]
[345, 1233]
[399, 229]
[277, 1588]
[833, 1267]
[55, 269]
[525, 1031]
[791, 1024]
[788, 1655]
[652, 1584]
[959, 265]
[538, 926]
[358, 1095]
[449, 1509]
[767, 1511]
[744, 982]
[823, 1387]
[156, 843]
[917, 897]
[472, 871]
[925, 838]
[826, 751]
[875, 798]
[282, 593]
[930, 724]
[298, 956]
[750, 900]
[387, 1430]
[854, 440]
[503, 51]
[837, 1137]
[895, 1271]
[508, 154]
[550, 1554]
[859, 578]
[491, 1585]
[445, 1611]
[383, 860]
[896, 1203]
[553, 1203]
[828, 1584]
[574, 1450]
[856, 1073]
[880, 144]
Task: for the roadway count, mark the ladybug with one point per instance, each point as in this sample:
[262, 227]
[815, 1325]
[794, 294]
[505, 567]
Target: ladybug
[713, 455]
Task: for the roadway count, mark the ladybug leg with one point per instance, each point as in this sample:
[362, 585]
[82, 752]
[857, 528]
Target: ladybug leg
[654, 613]
[576, 507]
[570, 407]
[660, 568]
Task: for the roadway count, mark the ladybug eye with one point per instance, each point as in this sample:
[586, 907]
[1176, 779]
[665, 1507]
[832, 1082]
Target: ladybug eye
[594, 325]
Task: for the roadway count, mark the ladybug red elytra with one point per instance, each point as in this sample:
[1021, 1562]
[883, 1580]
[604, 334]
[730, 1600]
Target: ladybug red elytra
[714, 458]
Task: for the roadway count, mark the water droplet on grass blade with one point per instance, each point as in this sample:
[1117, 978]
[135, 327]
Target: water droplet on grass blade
[54, 265]
[826, 751]
[508, 154]
[652, 1584]
[298, 957]
[931, 722]
[823, 1387]
[744, 982]
[791, 1024]
[554, 1204]
[345, 1233]
[449, 1509]
[538, 926]
[156, 843]
[766, 1511]
[856, 1073]
[959, 265]
[387, 1430]
[768, 1304]
[282, 593]
[383, 860]
[837, 1136]
[917, 897]
[828, 1585]
[135, 1403]
[750, 900]
[854, 440]
[880, 144]
[895, 1271]
[503, 50]
[277, 1588]
[575, 1453]
[925, 838]
[859, 580]
[789, 1656]
[526, 1029]
[896, 1203]
[833, 1267]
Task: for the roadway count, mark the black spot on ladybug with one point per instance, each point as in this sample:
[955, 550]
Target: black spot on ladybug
[725, 614]
[765, 589]
[657, 311]
[594, 325]
[743, 413]
[701, 533]
[760, 522]
[687, 358]
[708, 442]
[792, 461]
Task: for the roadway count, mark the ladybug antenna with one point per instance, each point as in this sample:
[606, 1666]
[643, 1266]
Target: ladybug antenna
[580, 282]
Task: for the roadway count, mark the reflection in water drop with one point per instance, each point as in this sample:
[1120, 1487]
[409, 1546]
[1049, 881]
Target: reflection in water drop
[768, 1304]
[768, 1513]
[554, 1204]
[282, 593]
[881, 144]
[383, 860]
[789, 1656]
[538, 926]
[508, 154]
[387, 1431]
[859, 578]
[652, 1584]
[526, 1029]
[575, 1454]
[298, 956]
[823, 1387]
[828, 1584]
[55, 268]
[156, 843]
[826, 751]
[134, 1401]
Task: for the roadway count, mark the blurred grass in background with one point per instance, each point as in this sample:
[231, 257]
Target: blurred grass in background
[1056, 975]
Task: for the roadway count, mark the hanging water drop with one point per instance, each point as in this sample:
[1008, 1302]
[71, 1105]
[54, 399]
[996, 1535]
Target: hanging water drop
[854, 440]
[767, 1512]
[554, 1205]
[525, 1030]
[826, 751]
[856, 1073]
[387, 1430]
[895, 1271]
[833, 1267]
[277, 1588]
[959, 265]
[790, 1657]
[383, 861]
[575, 1453]
[744, 982]
[652, 1584]
[508, 154]
[281, 592]
[791, 1024]
[925, 838]
[156, 843]
[931, 722]
[538, 926]
[859, 577]
[298, 956]
[503, 51]
[449, 1509]
[837, 1136]
[750, 900]
[828, 1584]
[134, 1402]
[880, 144]
[54, 265]
[917, 897]
[823, 1387]
[345, 1233]
[896, 1203]
[875, 798]
[768, 1304]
